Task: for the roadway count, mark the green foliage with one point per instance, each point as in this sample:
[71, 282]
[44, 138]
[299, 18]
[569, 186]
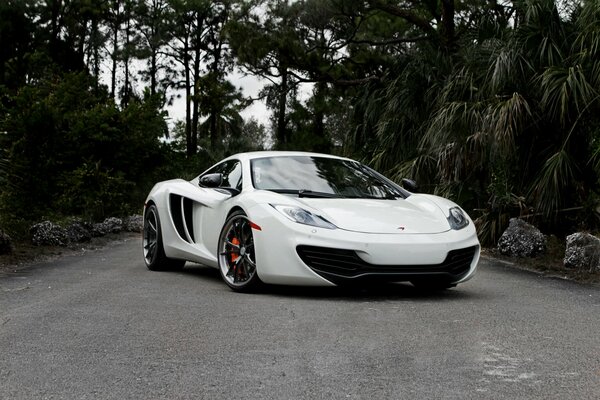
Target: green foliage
[503, 204]
[507, 117]
[71, 150]
[495, 104]
[94, 193]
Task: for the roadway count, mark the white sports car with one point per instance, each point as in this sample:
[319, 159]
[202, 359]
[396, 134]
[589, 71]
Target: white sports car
[298, 218]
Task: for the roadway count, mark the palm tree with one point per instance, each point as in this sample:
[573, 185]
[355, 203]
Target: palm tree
[511, 122]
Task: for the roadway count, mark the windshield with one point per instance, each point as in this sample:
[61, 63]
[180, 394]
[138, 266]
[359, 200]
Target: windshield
[309, 176]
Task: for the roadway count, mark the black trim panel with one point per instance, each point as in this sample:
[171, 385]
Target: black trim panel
[188, 206]
[339, 265]
[179, 218]
[175, 206]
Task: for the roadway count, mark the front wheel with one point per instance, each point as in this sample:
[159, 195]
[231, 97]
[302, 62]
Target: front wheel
[237, 259]
[152, 243]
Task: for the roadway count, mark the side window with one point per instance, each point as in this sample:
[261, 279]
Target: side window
[216, 169]
[232, 174]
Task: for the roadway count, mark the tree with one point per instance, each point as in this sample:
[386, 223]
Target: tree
[16, 37]
[153, 24]
[505, 118]
[222, 103]
[265, 45]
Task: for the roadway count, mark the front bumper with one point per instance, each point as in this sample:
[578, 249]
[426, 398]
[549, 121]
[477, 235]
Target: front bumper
[282, 256]
[343, 266]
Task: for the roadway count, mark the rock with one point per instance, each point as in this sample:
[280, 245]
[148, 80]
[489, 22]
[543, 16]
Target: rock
[99, 229]
[47, 233]
[582, 252]
[521, 239]
[134, 223]
[114, 225]
[110, 225]
[5, 243]
[78, 232]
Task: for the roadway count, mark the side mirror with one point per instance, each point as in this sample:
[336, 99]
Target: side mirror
[410, 185]
[211, 180]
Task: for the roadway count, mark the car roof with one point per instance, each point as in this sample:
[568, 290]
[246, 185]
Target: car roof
[264, 154]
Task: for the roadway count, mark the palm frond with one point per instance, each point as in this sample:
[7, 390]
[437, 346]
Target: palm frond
[490, 227]
[553, 181]
[502, 68]
[594, 74]
[420, 168]
[504, 120]
[564, 90]
[588, 24]
[455, 120]
[542, 34]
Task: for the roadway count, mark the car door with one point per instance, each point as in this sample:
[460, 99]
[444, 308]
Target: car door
[210, 215]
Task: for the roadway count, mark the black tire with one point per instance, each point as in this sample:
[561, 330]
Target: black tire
[152, 244]
[236, 257]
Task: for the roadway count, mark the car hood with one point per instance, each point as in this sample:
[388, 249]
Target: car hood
[416, 214]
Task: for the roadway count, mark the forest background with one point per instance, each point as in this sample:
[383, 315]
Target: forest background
[492, 103]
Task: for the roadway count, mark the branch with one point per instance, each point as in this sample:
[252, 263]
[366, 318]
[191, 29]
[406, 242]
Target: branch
[340, 82]
[403, 13]
[390, 41]
[355, 82]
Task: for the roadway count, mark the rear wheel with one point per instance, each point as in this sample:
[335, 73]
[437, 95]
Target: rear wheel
[237, 260]
[152, 243]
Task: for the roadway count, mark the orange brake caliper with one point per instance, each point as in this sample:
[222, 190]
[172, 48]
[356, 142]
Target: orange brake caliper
[234, 257]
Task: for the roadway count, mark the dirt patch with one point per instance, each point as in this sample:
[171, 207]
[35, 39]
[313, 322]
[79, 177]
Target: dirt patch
[25, 253]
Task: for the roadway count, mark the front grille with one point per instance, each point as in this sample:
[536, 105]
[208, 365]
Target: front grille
[336, 264]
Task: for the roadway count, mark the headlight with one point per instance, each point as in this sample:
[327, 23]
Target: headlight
[302, 216]
[457, 218]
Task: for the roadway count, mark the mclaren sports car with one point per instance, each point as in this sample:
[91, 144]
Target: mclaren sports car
[296, 218]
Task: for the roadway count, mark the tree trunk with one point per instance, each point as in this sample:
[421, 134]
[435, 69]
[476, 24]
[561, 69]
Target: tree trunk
[213, 128]
[214, 112]
[191, 150]
[448, 28]
[281, 134]
[195, 111]
[126, 94]
[196, 75]
[115, 49]
[55, 27]
[319, 101]
[96, 51]
[153, 72]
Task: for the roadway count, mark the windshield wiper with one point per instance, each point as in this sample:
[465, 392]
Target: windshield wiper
[368, 196]
[318, 195]
[307, 193]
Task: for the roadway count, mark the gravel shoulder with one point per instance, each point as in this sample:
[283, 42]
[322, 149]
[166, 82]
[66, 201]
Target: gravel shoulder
[549, 264]
[25, 253]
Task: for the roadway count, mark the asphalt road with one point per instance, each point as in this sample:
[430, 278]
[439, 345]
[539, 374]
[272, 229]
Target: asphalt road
[100, 325]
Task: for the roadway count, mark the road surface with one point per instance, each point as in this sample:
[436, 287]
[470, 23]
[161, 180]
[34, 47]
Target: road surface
[101, 326]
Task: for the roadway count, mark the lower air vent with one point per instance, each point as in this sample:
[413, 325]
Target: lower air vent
[336, 264]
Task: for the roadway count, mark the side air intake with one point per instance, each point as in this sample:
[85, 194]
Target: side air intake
[181, 211]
